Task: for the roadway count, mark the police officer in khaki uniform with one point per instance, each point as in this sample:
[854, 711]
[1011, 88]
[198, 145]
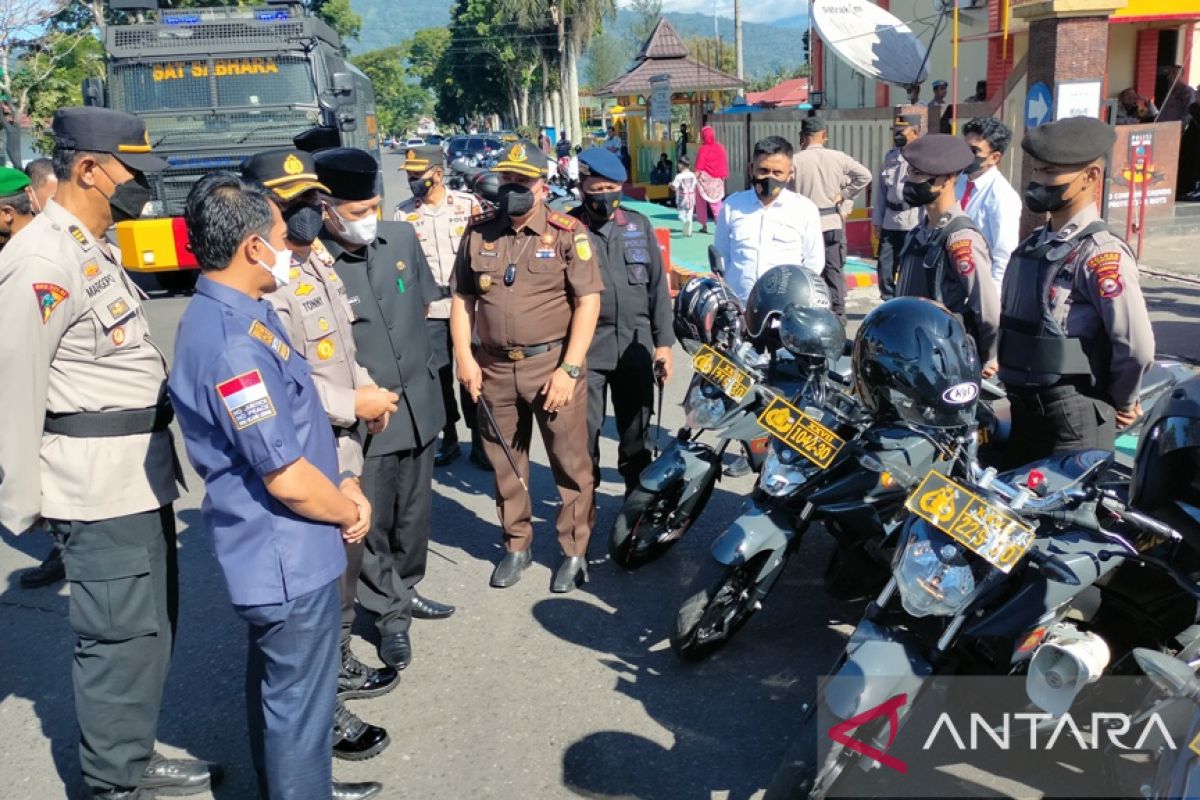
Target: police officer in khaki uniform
[440, 216]
[891, 217]
[832, 180]
[84, 445]
[946, 258]
[1075, 336]
[527, 283]
[316, 316]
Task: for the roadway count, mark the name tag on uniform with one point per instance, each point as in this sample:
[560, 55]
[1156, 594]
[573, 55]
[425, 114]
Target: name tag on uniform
[545, 253]
[246, 399]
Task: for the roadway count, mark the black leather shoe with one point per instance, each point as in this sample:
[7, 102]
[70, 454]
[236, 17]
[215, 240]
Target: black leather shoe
[478, 457]
[395, 650]
[509, 570]
[355, 740]
[571, 573]
[50, 571]
[171, 777]
[356, 791]
[356, 680]
[447, 451]
[424, 608]
[738, 468]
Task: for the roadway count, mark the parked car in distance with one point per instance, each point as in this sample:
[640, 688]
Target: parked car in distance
[472, 145]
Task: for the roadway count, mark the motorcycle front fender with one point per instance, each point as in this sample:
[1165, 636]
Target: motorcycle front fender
[880, 663]
[680, 461]
[757, 530]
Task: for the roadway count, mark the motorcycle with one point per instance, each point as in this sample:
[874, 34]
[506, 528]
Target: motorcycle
[1177, 698]
[985, 575]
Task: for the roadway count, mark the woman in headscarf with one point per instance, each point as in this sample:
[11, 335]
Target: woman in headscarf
[712, 168]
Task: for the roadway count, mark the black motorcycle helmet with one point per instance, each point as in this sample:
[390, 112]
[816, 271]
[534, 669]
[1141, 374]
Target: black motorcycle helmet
[697, 307]
[776, 289]
[487, 186]
[1166, 468]
[914, 361]
[812, 335]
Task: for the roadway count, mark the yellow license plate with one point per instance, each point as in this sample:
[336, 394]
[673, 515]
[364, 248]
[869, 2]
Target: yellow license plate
[799, 431]
[975, 523]
[722, 373]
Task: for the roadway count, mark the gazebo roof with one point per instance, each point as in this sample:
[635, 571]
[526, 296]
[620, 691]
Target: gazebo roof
[665, 53]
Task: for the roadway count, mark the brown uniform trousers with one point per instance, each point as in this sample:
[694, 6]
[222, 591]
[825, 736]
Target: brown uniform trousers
[522, 285]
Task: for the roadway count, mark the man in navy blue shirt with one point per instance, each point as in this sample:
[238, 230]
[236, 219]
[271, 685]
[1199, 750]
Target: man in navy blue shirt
[275, 502]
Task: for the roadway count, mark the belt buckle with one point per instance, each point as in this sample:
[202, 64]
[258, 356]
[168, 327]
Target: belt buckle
[515, 354]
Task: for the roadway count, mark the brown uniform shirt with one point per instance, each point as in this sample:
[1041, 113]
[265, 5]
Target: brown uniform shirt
[316, 314]
[440, 228]
[553, 262]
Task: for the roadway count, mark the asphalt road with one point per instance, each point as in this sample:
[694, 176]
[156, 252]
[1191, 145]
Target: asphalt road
[521, 694]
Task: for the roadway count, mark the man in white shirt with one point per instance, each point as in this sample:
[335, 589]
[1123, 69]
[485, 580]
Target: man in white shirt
[986, 195]
[768, 224]
[613, 143]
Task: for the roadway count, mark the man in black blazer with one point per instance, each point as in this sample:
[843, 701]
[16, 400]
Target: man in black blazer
[389, 287]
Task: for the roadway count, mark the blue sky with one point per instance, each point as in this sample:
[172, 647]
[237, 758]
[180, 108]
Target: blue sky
[754, 10]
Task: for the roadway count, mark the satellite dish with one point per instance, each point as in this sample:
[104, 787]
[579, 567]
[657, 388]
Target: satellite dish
[871, 40]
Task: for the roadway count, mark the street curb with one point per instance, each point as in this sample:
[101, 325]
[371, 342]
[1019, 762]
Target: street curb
[1169, 275]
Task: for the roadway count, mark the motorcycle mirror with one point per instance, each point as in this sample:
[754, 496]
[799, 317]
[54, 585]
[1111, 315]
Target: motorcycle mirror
[715, 262]
[1172, 676]
[1055, 568]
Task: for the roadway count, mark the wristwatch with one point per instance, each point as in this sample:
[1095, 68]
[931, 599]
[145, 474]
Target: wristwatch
[573, 371]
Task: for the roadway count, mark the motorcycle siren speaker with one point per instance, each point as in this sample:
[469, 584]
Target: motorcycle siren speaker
[1065, 662]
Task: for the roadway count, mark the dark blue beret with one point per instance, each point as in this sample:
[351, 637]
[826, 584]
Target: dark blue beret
[601, 163]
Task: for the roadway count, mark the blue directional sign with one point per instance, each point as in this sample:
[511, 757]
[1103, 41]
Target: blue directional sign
[1038, 105]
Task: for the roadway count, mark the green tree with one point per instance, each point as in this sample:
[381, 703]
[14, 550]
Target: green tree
[399, 101]
[340, 16]
[780, 74]
[608, 58]
[713, 52]
[487, 68]
[646, 14]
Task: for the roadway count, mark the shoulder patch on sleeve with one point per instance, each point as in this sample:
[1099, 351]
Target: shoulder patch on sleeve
[962, 252]
[246, 399]
[563, 221]
[49, 295]
[263, 334]
[1106, 267]
[583, 246]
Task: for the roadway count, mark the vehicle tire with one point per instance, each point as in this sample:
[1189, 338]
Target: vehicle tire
[805, 761]
[719, 601]
[650, 522]
[182, 281]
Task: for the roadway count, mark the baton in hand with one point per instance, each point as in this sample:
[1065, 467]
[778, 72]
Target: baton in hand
[660, 378]
[512, 462]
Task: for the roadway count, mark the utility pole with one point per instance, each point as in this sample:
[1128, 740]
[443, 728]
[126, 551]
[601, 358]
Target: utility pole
[737, 38]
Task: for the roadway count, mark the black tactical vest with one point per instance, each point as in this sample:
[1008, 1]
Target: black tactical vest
[1034, 350]
[923, 269]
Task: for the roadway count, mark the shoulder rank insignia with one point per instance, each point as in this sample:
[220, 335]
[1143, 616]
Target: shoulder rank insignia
[264, 335]
[486, 215]
[567, 223]
[323, 255]
[78, 235]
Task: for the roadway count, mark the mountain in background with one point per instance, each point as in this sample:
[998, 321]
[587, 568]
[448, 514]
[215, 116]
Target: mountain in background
[768, 47]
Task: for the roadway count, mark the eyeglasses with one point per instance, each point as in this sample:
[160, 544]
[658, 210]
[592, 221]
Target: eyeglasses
[510, 275]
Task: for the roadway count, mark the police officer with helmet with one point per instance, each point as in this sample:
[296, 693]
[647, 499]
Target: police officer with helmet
[946, 258]
[84, 445]
[1075, 335]
[527, 283]
[634, 332]
[389, 287]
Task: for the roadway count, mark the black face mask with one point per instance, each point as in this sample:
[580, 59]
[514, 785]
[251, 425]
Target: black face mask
[1042, 199]
[304, 223]
[975, 166]
[129, 198]
[768, 187]
[920, 194]
[515, 200]
[420, 187]
[899, 139]
[600, 205]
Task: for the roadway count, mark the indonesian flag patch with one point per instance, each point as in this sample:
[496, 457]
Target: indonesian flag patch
[246, 399]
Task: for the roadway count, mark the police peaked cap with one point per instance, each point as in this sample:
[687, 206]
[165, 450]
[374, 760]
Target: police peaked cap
[350, 173]
[422, 159]
[286, 171]
[104, 130]
[938, 154]
[1075, 140]
[524, 158]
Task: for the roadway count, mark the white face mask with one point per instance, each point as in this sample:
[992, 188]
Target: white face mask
[282, 268]
[357, 231]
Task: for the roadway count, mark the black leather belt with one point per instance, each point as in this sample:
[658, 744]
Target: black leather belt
[521, 353]
[444, 290]
[824, 212]
[98, 424]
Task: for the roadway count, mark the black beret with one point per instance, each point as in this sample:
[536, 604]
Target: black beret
[812, 125]
[316, 139]
[350, 173]
[938, 154]
[420, 159]
[524, 158]
[104, 130]
[1070, 141]
[286, 171]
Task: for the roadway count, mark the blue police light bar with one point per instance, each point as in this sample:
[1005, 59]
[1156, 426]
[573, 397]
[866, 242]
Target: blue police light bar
[273, 16]
[181, 19]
